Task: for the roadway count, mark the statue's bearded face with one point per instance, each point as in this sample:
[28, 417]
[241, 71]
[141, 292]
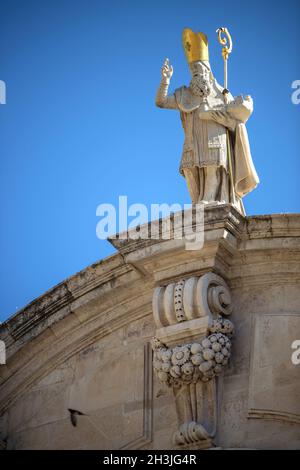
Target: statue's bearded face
[200, 84]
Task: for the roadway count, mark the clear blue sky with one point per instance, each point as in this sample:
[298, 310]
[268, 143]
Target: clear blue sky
[80, 126]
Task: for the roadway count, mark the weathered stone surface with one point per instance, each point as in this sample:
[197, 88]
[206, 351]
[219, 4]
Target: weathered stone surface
[85, 344]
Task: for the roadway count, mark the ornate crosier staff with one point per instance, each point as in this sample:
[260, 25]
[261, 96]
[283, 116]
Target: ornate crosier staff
[226, 50]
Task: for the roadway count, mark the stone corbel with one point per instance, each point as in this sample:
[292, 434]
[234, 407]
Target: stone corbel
[191, 347]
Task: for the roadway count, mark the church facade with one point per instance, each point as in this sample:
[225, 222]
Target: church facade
[83, 370]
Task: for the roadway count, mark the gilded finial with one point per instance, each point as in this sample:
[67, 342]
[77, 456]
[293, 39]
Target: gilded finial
[226, 50]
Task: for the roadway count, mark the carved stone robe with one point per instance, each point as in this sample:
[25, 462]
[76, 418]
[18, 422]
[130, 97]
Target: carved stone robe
[206, 140]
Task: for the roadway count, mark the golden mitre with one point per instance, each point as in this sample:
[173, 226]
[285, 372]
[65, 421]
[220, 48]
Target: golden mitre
[195, 45]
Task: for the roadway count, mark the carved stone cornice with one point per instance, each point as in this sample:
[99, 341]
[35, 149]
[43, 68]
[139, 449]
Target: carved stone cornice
[62, 300]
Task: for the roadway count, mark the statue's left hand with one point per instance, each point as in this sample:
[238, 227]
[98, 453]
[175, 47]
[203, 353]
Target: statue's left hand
[241, 108]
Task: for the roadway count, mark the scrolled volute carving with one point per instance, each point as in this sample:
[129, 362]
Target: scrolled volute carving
[188, 433]
[188, 299]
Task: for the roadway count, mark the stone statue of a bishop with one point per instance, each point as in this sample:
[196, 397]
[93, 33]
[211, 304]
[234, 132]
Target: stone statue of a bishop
[216, 160]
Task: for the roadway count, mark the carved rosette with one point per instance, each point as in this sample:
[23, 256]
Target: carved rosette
[192, 362]
[191, 348]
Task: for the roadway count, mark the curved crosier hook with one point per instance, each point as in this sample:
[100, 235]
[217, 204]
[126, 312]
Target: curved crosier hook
[226, 50]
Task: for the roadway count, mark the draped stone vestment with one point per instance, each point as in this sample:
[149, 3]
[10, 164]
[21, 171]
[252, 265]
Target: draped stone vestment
[205, 137]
